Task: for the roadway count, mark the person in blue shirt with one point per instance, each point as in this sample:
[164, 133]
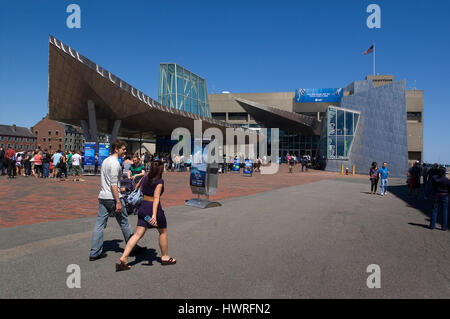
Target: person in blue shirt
[384, 174]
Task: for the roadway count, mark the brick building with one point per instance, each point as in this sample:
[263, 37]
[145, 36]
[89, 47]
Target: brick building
[53, 135]
[19, 138]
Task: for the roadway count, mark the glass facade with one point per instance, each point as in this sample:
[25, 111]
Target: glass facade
[183, 90]
[341, 129]
[298, 145]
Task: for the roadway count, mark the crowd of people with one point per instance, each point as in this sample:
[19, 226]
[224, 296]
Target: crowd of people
[57, 165]
[433, 181]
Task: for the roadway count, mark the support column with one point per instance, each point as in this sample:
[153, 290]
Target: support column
[115, 130]
[92, 121]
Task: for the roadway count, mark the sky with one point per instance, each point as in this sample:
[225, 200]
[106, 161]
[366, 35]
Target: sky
[236, 45]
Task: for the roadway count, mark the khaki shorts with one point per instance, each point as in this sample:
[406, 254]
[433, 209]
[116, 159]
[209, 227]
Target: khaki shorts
[76, 170]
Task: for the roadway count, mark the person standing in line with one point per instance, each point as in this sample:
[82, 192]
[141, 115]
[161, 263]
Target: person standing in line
[69, 163]
[2, 161]
[38, 164]
[27, 164]
[150, 215]
[18, 164]
[56, 158]
[384, 175]
[76, 167]
[111, 202]
[62, 166]
[373, 175]
[46, 158]
[434, 170]
[441, 186]
[414, 175]
[10, 156]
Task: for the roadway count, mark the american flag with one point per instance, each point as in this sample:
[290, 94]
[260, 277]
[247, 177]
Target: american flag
[370, 50]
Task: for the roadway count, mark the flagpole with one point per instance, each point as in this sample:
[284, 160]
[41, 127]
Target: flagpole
[374, 58]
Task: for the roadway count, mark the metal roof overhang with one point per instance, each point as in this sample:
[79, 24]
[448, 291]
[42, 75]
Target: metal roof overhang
[273, 117]
[74, 79]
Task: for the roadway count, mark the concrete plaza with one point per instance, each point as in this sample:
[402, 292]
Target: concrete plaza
[309, 235]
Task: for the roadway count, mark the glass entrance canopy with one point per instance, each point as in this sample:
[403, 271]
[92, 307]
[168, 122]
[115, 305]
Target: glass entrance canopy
[183, 90]
[341, 129]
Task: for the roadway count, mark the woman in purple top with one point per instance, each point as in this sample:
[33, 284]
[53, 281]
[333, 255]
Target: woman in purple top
[150, 215]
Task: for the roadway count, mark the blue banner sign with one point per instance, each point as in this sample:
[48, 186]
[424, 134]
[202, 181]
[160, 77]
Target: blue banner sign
[330, 95]
[103, 152]
[248, 167]
[198, 170]
[236, 165]
[198, 175]
[89, 154]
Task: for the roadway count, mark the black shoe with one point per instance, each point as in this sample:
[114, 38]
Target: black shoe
[444, 229]
[138, 250]
[102, 255]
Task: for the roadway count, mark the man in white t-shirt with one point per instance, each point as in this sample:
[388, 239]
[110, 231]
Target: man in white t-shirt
[111, 202]
[76, 166]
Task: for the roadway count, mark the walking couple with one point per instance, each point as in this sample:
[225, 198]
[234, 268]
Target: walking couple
[111, 201]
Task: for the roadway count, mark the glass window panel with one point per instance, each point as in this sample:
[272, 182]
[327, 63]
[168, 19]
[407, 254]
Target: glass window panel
[179, 71]
[194, 106]
[180, 102]
[180, 85]
[187, 104]
[340, 146]
[348, 146]
[340, 123]
[194, 90]
[348, 123]
[163, 85]
[187, 88]
[201, 91]
[355, 121]
[172, 83]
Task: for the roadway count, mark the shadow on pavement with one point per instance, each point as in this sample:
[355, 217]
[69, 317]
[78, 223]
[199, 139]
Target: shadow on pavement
[112, 245]
[425, 206]
[150, 254]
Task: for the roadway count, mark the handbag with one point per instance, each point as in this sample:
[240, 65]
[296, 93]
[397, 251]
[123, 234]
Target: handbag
[135, 198]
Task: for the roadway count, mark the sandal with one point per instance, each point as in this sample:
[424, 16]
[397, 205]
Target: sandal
[122, 266]
[170, 261]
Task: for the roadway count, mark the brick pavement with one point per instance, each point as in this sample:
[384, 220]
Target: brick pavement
[28, 200]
